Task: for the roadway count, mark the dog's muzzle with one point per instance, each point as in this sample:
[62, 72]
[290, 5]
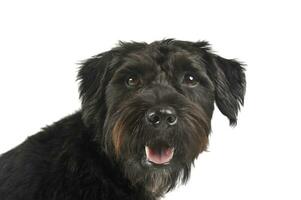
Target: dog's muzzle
[160, 117]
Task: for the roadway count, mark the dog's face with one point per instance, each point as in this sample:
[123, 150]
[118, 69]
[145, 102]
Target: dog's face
[151, 106]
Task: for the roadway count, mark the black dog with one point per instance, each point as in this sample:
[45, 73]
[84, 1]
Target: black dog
[145, 117]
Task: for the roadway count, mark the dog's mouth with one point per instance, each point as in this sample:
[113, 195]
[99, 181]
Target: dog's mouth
[159, 154]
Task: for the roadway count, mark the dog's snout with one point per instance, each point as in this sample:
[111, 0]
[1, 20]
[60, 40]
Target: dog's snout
[161, 116]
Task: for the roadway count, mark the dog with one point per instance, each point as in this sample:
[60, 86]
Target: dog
[144, 119]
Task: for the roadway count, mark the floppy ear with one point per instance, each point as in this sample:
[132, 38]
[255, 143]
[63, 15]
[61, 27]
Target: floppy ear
[94, 74]
[230, 84]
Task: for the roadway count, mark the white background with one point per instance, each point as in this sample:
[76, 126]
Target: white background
[41, 42]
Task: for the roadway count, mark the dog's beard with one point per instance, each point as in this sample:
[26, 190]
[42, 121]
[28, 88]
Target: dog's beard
[127, 138]
[155, 179]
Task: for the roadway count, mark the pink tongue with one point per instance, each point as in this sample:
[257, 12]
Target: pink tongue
[162, 157]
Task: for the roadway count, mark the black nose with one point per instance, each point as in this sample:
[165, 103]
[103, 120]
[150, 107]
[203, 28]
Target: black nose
[163, 115]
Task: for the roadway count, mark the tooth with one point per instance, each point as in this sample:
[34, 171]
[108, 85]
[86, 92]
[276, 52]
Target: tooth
[147, 151]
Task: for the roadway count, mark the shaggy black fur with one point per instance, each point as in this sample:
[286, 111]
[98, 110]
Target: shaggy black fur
[99, 152]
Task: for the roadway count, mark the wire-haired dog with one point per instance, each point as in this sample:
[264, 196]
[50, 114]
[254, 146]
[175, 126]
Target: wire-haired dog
[145, 118]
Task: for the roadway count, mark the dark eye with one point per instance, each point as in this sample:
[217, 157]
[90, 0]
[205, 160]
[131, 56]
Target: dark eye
[190, 80]
[132, 81]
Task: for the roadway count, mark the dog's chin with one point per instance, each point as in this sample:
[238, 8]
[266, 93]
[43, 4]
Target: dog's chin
[157, 167]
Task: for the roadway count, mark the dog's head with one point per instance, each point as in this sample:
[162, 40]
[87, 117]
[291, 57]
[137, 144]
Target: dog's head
[151, 105]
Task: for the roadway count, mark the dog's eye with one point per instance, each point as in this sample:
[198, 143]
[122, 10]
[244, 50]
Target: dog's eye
[132, 81]
[190, 80]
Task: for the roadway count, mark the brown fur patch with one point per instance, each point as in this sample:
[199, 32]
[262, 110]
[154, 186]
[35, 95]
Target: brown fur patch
[117, 136]
[199, 123]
